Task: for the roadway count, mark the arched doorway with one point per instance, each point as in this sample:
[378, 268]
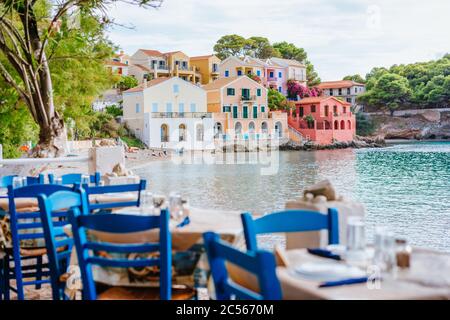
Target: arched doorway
[279, 129]
[251, 127]
[264, 127]
[199, 132]
[164, 133]
[217, 129]
[327, 125]
[342, 125]
[238, 128]
[336, 125]
[182, 132]
[349, 124]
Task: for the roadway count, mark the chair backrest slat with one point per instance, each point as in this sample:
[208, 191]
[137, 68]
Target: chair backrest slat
[120, 224]
[115, 223]
[137, 187]
[58, 243]
[123, 263]
[122, 248]
[290, 221]
[260, 263]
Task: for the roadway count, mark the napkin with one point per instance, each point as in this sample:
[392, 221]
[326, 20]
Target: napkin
[343, 282]
[324, 254]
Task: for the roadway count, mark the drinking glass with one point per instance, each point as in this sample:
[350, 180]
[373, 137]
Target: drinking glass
[176, 206]
[17, 182]
[24, 181]
[85, 179]
[58, 180]
[385, 251]
[356, 237]
[101, 183]
[147, 206]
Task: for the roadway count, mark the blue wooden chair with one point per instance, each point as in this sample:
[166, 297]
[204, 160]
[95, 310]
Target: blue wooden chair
[138, 187]
[58, 243]
[260, 263]
[121, 223]
[6, 181]
[23, 229]
[75, 178]
[290, 221]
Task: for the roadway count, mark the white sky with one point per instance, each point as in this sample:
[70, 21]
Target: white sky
[341, 37]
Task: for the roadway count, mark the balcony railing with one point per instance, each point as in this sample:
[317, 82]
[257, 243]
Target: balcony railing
[248, 98]
[272, 79]
[196, 115]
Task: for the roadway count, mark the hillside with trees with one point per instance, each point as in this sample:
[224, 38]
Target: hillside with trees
[412, 86]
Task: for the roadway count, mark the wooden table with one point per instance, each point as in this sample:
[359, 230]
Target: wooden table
[186, 240]
[411, 284]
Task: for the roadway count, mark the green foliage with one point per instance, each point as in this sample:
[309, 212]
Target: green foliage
[230, 45]
[389, 90]
[260, 47]
[355, 78]
[132, 141]
[277, 101]
[290, 51]
[365, 126]
[127, 82]
[114, 110]
[418, 85]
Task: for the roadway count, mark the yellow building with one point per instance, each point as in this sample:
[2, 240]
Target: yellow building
[207, 66]
[180, 66]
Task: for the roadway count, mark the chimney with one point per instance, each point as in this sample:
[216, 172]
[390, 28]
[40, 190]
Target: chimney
[145, 83]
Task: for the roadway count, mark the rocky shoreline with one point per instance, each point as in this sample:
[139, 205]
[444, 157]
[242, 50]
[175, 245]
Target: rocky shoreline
[357, 143]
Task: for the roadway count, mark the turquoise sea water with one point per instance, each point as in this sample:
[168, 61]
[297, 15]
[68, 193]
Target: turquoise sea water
[403, 186]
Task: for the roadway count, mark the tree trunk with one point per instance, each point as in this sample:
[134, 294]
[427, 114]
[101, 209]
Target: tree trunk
[52, 139]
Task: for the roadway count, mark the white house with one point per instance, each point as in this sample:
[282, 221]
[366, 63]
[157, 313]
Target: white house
[169, 113]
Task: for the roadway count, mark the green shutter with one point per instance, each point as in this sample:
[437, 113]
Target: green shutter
[255, 112]
[245, 112]
[235, 112]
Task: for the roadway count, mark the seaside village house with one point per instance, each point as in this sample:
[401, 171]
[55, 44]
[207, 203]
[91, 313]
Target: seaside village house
[207, 66]
[240, 110]
[274, 72]
[169, 112]
[345, 89]
[152, 64]
[323, 120]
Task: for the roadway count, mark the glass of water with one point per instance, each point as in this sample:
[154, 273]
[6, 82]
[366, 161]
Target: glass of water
[17, 182]
[58, 180]
[176, 206]
[385, 251]
[146, 206]
[24, 181]
[356, 238]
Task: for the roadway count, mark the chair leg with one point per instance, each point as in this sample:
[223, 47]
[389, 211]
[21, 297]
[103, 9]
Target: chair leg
[6, 272]
[38, 271]
[2, 279]
[19, 280]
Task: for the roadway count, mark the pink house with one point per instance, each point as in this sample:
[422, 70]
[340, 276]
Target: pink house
[323, 120]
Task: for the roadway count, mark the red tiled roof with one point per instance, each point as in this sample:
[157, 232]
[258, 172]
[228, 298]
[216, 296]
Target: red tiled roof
[151, 83]
[152, 53]
[116, 63]
[338, 84]
[320, 100]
